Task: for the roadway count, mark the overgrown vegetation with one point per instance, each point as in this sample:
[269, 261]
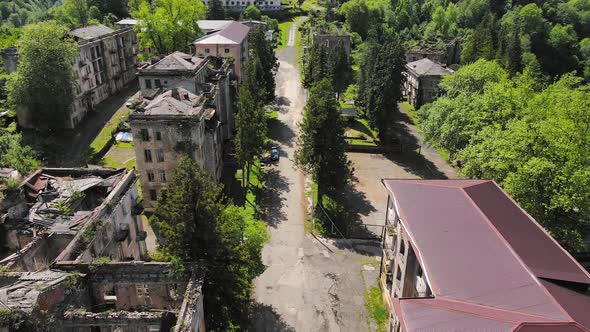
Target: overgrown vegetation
[532, 139]
[197, 225]
[376, 307]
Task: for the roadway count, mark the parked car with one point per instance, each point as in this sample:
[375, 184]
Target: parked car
[274, 153]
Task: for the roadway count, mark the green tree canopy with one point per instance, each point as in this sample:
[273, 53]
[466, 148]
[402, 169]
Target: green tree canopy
[195, 225]
[250, 119]
[381, 80]
[532, 141]
[264, 53]
[252, 12]
[167, 25]
[322, 145]
[45, 52]
[215, 10]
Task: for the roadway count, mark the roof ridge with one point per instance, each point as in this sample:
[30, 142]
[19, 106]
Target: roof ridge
[515, 254]
[489, 309]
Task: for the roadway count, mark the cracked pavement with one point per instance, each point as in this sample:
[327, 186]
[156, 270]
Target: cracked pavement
[306, 286]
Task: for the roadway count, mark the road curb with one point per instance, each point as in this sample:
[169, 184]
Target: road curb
[322, 241]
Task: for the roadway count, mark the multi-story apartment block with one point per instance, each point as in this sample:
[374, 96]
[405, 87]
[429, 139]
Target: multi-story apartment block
[461, 255]
[422, 79]
[229, 41]
[241, 5]
[174, 123]
[193, 73]
[105, 64]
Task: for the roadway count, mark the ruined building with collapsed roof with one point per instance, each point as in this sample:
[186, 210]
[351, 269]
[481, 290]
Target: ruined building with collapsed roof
[186, 107]
[74, 243]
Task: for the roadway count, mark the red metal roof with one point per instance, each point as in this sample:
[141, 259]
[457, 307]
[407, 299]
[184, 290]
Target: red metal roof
[482, 258]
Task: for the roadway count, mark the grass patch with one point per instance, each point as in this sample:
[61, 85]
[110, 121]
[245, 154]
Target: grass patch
[284, 27]
[105, 134]
[358, 132]
[251, 207]
[272, 116]
[376, 307]
[120, 155]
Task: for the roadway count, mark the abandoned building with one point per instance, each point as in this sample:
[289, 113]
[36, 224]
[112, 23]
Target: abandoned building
[461, 255]
[431, 53]
[195, 74]
[114, 296]
[174, 123]
[72, 215]
[105, 64]
[226, 40]
[239, 6]
[422, 79]
[331, 40]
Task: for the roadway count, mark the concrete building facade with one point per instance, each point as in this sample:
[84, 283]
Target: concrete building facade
[174, 123]
[241, 5]
[331, 40]
[104, 65]
[422, 79]
[230, 41]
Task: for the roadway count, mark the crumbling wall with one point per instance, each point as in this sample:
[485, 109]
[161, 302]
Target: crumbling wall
[191, 316]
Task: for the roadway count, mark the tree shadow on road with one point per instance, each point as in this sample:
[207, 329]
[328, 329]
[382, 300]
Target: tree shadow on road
[410, 159]
[272, 199]
[279, 131]
[343, 218]
[283, 101]
[266, 319]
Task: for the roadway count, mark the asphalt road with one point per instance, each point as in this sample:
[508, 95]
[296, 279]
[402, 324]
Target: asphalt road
[306, 287]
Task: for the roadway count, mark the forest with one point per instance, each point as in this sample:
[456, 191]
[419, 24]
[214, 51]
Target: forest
[517, 108]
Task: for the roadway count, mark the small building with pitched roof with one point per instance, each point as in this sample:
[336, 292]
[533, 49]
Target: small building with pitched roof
[422, 79]
[231, 41]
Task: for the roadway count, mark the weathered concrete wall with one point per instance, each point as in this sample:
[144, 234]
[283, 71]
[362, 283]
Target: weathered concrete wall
[10, 59]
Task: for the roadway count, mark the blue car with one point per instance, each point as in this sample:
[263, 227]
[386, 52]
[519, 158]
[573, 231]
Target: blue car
[274, 153]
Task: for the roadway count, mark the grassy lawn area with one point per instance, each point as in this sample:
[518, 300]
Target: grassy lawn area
[284, 27]
[358, 132]
[376, 307]
[120, 155]
[251, 207]
[105, 134]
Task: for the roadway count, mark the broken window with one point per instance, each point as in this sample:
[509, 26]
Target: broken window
[148, 155]
[227, 50]
[148, 84]
[143, 294]
[153, 195]
[109, 295]
[160, 155]
[145, 135]
[162, 176]
[206, 50]
[150, 176]
[157, 83]
[158, 136]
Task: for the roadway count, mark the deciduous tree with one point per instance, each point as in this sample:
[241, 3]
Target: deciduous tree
[167, 25]
[44, 81]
